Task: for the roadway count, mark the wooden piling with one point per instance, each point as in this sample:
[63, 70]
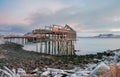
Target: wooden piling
[55, 40]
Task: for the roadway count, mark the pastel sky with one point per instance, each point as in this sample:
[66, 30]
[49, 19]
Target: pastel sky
[85, 16]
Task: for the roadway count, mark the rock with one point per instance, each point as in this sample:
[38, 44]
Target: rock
[45, 74]
[115, 69]
[28, 75]
[58, 75]
[102, 70]
[35, 71]
[21, 71]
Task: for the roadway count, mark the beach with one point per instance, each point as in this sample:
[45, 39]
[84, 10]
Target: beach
[15, 57]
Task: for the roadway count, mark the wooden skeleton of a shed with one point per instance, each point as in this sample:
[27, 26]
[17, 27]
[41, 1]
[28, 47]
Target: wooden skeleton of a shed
[55, 40]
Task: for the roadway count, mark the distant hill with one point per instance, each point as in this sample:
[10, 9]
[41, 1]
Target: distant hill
[107, 36]
[103, 36]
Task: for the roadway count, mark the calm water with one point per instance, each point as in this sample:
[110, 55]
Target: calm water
[89, 45]
[86, 45]
[94, 45]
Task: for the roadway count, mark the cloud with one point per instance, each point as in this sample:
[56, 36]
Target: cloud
[94, 20]
[13, 29]
[82, 15]
[10, 20]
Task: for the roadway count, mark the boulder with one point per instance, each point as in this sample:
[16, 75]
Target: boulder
[102, 70]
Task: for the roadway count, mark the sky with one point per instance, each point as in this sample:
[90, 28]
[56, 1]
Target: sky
[87, 17]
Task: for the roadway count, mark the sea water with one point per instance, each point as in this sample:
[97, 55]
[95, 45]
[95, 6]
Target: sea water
[94, 45]
[89, 45]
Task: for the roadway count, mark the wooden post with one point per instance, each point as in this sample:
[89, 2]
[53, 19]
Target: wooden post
[45, 47]
[67, 48]
[41, 47]
[71, 48]
[48, 47]
[36, 47]
[58, 47]
[53, 47]
[54, 44]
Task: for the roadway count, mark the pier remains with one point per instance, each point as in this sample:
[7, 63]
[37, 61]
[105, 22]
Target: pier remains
[55, 39]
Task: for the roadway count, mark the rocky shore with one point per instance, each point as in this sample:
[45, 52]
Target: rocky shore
[13, 56]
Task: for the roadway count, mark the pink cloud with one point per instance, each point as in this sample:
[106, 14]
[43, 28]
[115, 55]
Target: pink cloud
[9, 20]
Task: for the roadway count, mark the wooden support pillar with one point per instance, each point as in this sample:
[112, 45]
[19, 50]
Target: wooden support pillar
[63, 49]
[37, 47]
[40, 47]
[52, 47]
[49, 47]
[24, 40]
[55, 47]
[54, 44]
[58, 48]
[72, 48]
[45, 47]
[58, 45]
[62, 44]
[67, 48]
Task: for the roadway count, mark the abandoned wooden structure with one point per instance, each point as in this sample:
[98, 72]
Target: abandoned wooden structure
[56, 40]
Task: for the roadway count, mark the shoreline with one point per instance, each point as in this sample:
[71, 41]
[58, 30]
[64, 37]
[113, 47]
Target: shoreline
[16, 57]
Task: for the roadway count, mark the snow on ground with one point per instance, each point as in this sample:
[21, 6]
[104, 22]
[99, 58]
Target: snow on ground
[106, 68]
[103, 68]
